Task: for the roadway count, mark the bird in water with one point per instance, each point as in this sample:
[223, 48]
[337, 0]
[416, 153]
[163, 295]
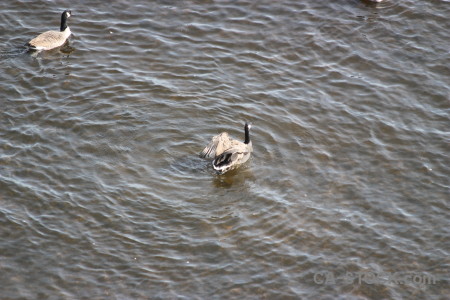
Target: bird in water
[52, 39]
[228, 153]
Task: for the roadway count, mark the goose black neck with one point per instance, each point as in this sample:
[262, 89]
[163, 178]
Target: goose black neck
[63, 21]
[247, 134]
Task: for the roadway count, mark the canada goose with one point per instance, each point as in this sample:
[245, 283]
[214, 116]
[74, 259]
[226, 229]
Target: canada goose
[52, 39]
[228, 153]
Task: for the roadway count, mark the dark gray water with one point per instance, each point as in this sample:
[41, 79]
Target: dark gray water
[102, 193]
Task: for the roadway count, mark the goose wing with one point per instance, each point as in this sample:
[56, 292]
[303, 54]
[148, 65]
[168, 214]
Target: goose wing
[217, 146]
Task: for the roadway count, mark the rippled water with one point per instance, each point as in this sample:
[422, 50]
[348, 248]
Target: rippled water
[102, 193]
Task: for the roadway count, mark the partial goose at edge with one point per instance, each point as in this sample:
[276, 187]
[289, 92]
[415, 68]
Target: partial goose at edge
[52, 39]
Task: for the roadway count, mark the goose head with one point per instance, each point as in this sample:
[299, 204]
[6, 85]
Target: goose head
[64, 16]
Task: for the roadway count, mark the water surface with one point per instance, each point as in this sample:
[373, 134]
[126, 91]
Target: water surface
[102, 192]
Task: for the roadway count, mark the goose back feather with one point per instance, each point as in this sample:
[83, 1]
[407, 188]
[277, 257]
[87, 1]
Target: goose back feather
[217, 146]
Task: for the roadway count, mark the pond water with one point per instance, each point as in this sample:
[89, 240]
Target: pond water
[102, 192]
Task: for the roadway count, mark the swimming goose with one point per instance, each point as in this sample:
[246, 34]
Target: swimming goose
[52, 39]
[228, 153]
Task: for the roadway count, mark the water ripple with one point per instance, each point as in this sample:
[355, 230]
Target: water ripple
[102, 192]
